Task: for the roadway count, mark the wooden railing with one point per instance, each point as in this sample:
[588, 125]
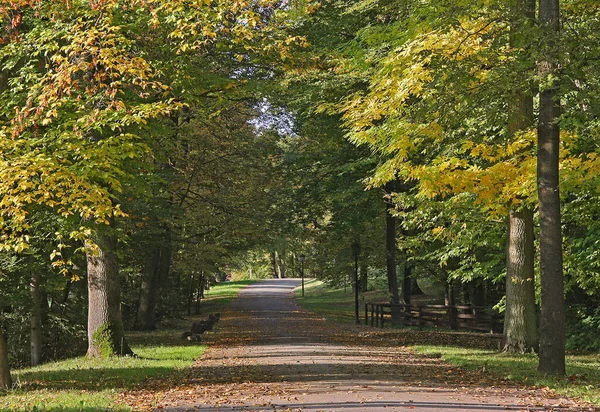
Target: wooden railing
[473, 318]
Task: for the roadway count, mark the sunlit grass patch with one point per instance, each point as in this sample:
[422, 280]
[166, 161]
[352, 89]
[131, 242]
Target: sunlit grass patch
[94, 384]
[583, 372]
[334, 304]
[81, 384]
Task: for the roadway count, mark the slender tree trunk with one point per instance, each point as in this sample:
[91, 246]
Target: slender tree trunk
[407, 284]
[390, 256]
[552, 319]
[190, 295]
[5, 379]
[202, 284]
[199, 292]
[274, 265]
[36, 320]
[450, 300]
[106, 336]
[364, 274]
[478, 293]
[282, 264]
[520, 331]
[146, 313]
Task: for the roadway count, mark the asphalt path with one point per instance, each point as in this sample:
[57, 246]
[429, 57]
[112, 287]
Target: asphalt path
[267, 354]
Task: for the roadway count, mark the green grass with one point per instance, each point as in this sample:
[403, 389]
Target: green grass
[583, 373]
[336, 305]
[82, 384]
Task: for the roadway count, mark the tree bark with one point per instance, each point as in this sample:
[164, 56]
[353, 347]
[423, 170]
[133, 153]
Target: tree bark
[282, 265]
[190, 294]
[5, 379]
[145, 318]
[106, 336]
[407, 284]
[552, 319]
[364, 274]
[520, 331]
[36, 320]
[390, 255]
[274, 265]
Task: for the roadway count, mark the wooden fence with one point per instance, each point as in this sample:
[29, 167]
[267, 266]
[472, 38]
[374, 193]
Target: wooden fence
[473, 318]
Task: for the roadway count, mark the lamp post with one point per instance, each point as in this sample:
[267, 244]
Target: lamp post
[302, 257]
[356, 252]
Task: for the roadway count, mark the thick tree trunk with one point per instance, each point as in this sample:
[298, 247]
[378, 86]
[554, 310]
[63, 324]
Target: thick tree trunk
[5, 379]
[145, 318]
[36, 320]
[520, 331]
[552, 319]
[106, 336]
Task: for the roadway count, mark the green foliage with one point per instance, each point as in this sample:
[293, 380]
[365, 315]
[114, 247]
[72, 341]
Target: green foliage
[583, 328]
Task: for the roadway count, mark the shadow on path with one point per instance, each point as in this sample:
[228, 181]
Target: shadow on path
[268, 354]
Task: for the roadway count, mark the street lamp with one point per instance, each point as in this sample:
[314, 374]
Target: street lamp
[302, 257]
[356, 252]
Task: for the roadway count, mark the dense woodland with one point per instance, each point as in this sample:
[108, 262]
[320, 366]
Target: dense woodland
[151, 148]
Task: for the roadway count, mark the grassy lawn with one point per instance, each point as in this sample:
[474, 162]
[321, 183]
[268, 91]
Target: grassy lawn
[336, 305]
[583, 371]
[82, 384]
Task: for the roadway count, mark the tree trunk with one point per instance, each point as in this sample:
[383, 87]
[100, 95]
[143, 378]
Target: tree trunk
[520, 331]
[202, 284]
[407, 284]
[390, 255]
[364, 274]
[282, 264]
[274, 264]
[478, 293]
[106, 336]
[190, 295]
[145, 318]
[5, 379]
[450, 300]
[552, 319]
[36, 320]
